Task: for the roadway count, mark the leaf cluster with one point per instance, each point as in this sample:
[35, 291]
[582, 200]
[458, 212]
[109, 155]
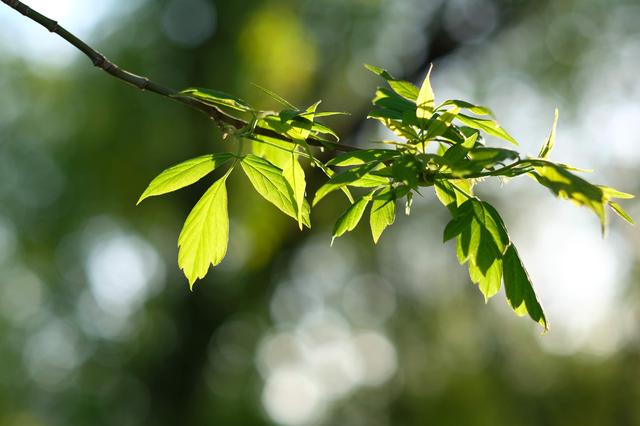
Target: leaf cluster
[441, 146]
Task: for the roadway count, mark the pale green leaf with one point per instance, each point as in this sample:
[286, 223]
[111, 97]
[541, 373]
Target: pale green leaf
[474, 109]
[403, 88]
[217, 98]
[271, 184]
[426, 101]
[383, 213]
[294, 174]
[350, 218]
[184, 174]
[205, 234]
[548, 146]
[490, 127]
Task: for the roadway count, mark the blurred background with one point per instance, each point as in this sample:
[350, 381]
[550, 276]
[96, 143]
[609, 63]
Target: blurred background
[97, 324]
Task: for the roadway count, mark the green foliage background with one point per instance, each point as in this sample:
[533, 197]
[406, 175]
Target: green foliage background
[85, 343]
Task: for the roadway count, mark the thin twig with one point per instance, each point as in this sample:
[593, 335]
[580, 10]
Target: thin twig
[143, 83]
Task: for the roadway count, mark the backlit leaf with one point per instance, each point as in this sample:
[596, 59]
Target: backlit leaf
[294, 174]
[217, 98]
[269, 181]
[548, 146]
[350, 218]
[426, 101]
[490, 127]
[184, 174]
[205, 234]
[519, 289]
[383, 213]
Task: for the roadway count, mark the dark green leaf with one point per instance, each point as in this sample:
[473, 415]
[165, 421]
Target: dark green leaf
[519, 290]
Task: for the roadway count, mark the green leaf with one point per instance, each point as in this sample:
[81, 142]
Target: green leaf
[184, 174]
[568, 186]
[426, 100]
[474, 109]
[490, 127]
[350, 218]
[438, 124]
[205, 234]
[403, 88]
[269, 181]
[519, 289]
[620, 211]
[294, 174]
[548, 146]
[482, 239]
[362, 156]
[339, 180]
[276, 97]
[217, 98]
[453, 193]
[383, 212]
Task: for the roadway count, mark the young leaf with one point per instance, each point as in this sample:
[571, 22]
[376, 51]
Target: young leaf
[548, 146]
[269, 182]
[490, 127]
[205, 234]
[519, 290]
[403, 88]
[339, 180]
[426, 100]
[383, 213]
[217, 98]
[294, 174]
[568, 186]
[276, 97]
[350, 218]
[474, 109]
[360, 157]
[481, 241]
[184, 174]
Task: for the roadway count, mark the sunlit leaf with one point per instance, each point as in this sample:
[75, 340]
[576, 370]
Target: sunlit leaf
[350, 218]
[475, 109]
[426, 101]
[294, 174]
[519, 289]
[339, 180]
[362, 156]
[568, 186]
[490, 127]
[383, 212]
[403, 88]
[184, 174]
[548, 145]
[269, 181]
[205, 234]
[217, 98]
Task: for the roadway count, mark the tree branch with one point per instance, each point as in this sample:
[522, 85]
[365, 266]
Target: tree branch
[143, 83]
